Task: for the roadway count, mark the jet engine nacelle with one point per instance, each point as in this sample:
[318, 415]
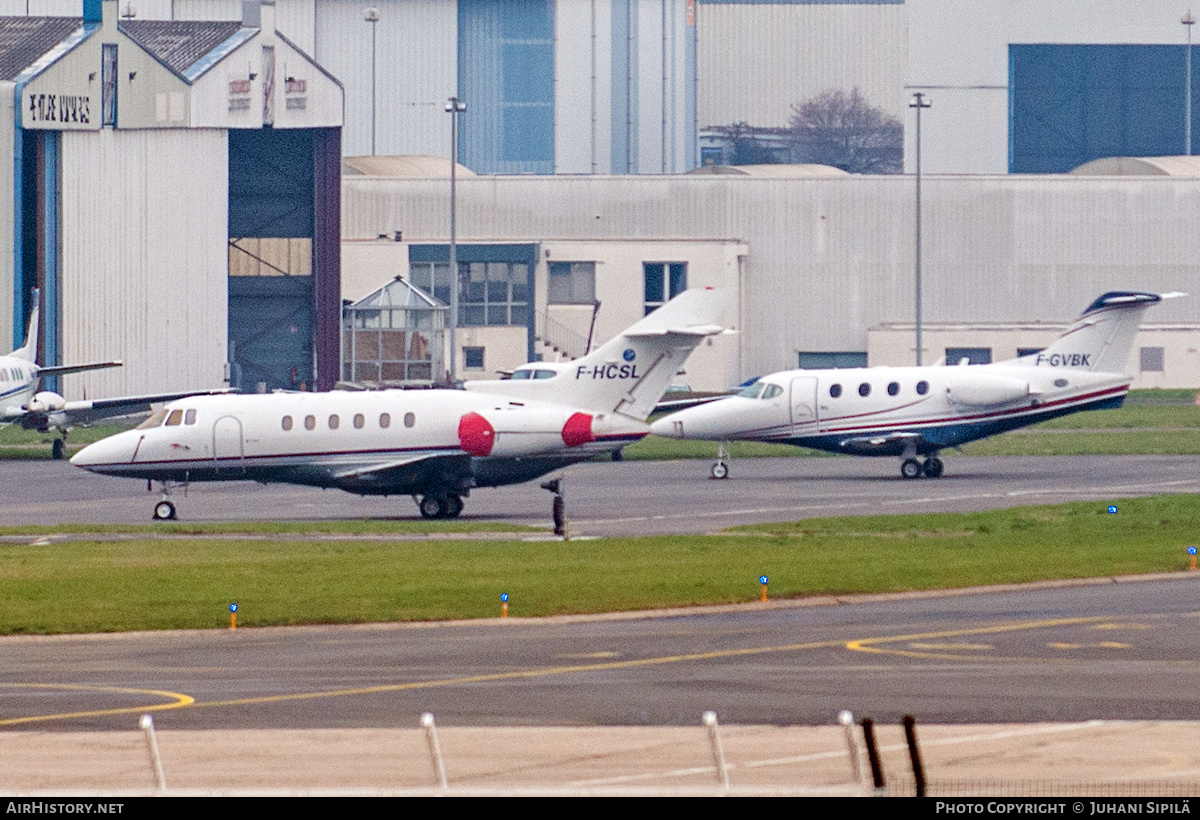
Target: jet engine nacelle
[523, 431]
[983, 389]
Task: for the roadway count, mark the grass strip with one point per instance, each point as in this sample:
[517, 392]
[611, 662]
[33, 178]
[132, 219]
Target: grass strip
[87, 586]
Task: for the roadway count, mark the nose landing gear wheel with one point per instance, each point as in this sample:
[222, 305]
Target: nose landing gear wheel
[164, 511]
[719, 470]
[910, 468]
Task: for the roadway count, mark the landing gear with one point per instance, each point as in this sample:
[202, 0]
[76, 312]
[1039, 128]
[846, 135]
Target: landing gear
[164, 511]
[58, 449]
[436, 505]
[720, 469]
[932, 468]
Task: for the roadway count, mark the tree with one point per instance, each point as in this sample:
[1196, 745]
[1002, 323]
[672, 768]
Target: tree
[845, 131]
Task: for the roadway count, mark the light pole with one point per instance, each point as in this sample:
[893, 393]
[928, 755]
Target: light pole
[918, 102]
[371, 15]
[454, 107]
[1188, 21]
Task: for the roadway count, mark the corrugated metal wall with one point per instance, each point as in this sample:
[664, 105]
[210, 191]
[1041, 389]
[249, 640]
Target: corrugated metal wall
[144, 259]
[416, 66]
[756, 61]
[829, 258]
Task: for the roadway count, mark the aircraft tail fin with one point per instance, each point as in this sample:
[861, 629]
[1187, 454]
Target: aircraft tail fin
[629, 373]
[1100, 339]
[28, 351]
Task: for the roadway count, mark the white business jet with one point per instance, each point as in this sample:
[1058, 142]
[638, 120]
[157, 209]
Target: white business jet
[435, 445]
[917, 411]
[22, 403]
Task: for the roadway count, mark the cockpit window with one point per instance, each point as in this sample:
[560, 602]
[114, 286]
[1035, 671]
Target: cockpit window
[190, 416]
[155, 419]
[544, 374]
[772, 391]
[753, 391]
[522, 374]
[175, 419]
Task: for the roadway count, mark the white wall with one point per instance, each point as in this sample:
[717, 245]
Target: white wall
[144, 259]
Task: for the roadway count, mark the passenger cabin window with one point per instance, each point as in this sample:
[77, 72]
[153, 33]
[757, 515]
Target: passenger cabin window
[864, 390]
[922, 388]
[310, 422]
[385, 420]
[409, 419]
[359, 421]
[190, 416]
[287, 423]
[175, 419]
[835, 390]
[893, 388]
[334, 422]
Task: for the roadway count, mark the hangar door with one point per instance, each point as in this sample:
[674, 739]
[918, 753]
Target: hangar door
[283, 269]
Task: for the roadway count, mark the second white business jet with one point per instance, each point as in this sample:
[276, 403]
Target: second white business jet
[435, 445]
[917, 411]
[23, 402]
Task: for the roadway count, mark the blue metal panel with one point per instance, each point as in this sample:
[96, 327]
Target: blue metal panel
[800, 2]
[506, 77]
[624, 114]
[49, 250]
[1071, 104]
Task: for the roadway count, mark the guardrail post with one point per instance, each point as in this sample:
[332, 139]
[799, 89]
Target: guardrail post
[868, 726]
[718, 753]
[160, 779]
[914, 754]
[435, 750]
[846, 718]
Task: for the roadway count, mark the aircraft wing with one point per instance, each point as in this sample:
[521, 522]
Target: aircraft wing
[372, 470]
[87, 411]
[59, 370]
[884, 444]
[671, 405]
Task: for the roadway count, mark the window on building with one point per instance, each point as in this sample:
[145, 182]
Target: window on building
[489, 293]
[1152, 360]
[473, 358]
[664, 281]
[1028, 351]
[571, 283]
[973, 355]
[836, 359]
[108, 84]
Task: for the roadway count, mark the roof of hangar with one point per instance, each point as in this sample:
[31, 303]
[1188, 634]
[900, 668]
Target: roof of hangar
[24, 39]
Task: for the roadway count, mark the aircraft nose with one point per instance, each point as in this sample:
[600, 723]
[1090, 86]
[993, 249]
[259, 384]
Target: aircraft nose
[114, 450]
[668, 427]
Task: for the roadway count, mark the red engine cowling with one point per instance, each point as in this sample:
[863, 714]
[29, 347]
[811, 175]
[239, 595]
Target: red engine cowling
[522, 431]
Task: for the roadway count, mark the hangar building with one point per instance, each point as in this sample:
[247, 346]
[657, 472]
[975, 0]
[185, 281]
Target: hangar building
[823, 263]
[174, 191]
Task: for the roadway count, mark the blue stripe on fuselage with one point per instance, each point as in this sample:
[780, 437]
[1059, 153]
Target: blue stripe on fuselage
[953, 434]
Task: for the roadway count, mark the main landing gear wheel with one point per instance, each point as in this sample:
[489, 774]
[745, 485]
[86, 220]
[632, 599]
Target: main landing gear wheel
[440, 506]
[58, 449]
[910, 468]
[933, 467]
[719, 470]
[164, 511]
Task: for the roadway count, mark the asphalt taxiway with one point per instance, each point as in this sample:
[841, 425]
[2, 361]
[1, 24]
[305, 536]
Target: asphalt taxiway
[628, 498]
